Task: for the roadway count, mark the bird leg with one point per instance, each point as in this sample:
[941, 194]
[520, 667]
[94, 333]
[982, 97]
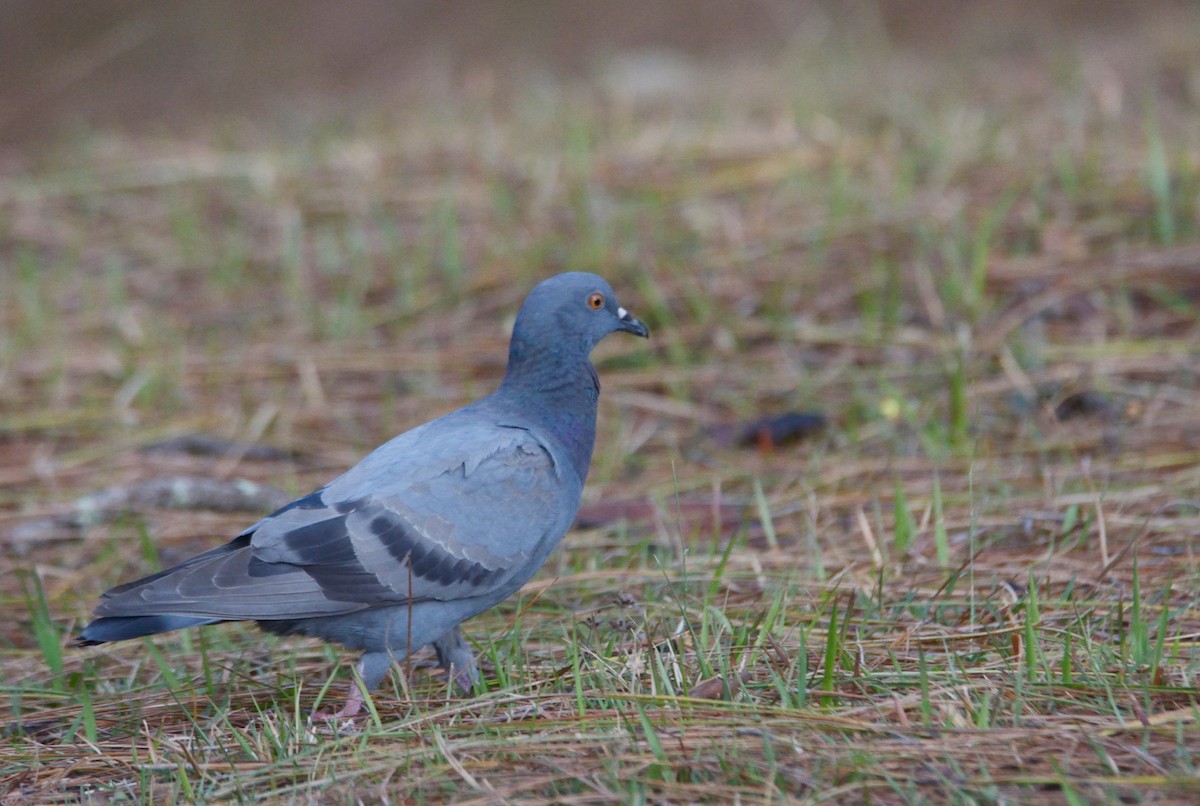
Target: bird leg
[455, 656]
[453, 653]
[368, 674]
[354, 703]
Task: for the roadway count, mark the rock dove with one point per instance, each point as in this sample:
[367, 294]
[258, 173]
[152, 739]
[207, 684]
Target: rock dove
[431, 528]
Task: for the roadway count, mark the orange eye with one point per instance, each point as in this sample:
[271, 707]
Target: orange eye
[595, 300]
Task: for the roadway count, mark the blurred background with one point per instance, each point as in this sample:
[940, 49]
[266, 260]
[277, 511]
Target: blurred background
[172, 64]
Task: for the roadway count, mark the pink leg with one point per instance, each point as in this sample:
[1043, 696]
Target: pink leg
[368, 674]
[354, 704]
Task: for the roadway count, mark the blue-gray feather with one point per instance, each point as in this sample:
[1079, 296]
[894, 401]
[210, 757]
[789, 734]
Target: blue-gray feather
[431, 528]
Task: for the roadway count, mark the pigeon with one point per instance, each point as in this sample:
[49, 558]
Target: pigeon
[431, 528]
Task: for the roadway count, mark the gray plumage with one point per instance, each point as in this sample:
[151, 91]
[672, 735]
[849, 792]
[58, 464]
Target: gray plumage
[435, 526]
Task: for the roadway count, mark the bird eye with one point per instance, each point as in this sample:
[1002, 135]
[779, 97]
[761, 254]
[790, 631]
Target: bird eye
[595, 300]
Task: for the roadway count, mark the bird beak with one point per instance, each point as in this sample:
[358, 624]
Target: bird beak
[631, 325]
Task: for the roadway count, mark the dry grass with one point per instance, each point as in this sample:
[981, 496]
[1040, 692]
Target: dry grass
[980, 584]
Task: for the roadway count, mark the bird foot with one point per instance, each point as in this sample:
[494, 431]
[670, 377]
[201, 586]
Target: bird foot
[455, 656]
[351, 709]
[464, 679]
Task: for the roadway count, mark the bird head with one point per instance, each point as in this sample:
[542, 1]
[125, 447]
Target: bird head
[568, 313]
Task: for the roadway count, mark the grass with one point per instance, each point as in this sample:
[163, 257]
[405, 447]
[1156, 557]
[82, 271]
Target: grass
[964, 591]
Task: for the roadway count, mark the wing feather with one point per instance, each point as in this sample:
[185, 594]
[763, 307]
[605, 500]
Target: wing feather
[454, 512]
[459, 533]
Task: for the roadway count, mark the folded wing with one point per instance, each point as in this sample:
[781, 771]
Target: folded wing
[475, 515]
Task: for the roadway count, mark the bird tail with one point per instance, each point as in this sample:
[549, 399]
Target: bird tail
[224, 584]
[117, 627]
[120, 628]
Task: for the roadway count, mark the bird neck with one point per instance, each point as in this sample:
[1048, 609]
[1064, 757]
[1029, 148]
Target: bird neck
[557, 393]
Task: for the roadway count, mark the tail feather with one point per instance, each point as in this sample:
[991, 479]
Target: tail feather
[240, 542]
[224, 584]
[120, 628]
[115, 627]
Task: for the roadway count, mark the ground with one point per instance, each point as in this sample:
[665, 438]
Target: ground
[970, 251]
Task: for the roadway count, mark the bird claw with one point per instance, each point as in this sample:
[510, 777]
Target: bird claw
[464, 679]
[354, 704]
[455, 656]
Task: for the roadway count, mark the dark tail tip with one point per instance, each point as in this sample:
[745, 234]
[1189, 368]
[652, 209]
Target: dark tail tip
[122, 628]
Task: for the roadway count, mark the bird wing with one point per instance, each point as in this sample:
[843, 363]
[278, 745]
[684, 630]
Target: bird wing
[465, 509]
[456, 533]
